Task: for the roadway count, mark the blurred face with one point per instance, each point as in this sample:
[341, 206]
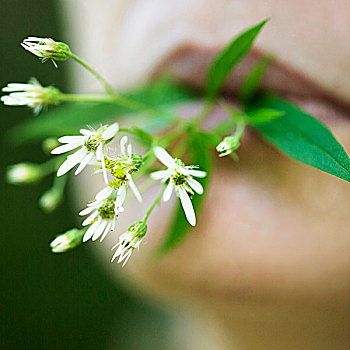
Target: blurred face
[271, 228]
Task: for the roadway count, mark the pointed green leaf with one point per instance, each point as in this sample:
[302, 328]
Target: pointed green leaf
[304, 138]
[227, 59]
[251, 83]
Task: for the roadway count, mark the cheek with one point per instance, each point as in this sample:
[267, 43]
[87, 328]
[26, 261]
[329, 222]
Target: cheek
[270, 228]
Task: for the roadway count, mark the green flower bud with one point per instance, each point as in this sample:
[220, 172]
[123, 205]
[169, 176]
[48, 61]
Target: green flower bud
[67, 241]
[24, 173]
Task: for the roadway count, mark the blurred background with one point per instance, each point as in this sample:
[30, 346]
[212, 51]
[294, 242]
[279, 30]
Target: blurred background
[53, 301]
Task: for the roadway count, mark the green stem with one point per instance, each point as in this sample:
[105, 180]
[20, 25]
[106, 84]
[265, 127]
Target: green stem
[104, 83]
[51, 165]
[156, 201]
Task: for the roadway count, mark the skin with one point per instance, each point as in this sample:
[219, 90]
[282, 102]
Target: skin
[267, 266]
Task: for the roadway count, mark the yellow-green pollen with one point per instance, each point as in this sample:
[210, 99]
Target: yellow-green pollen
[106, 211]
[179, 179]
[92, 143]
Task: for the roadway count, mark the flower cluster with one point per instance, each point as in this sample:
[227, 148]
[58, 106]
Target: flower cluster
[91, 148]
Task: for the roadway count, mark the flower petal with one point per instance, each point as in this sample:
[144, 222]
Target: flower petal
[65, 148]
[99, 230]
[195, 185]
[134, 188]
[106, 230]
[90, 218]
[104, 193]
[164, 157]
[160, 175]
[168, 191]
[187, 206]
[90, 231]
[123, 141]
[72, 139]
[71, 161]
[83, 163]
[86, 211]
[110, 131]
[197, 173]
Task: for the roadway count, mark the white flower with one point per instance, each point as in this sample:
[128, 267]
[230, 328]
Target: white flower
[180, 179]
[32, 94]
[24, 173]
[129, 241]
[91, 144]
[47, 48]
[66, 241]
[102, 218]
[121, 168]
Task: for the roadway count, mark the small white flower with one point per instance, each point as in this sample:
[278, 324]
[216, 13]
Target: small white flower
[66, 241]
[102, 218]
[121, 168]
[129, 241]
[180, 179]
[47, 48]
[32, 94]
[24, 173]
[91, 145]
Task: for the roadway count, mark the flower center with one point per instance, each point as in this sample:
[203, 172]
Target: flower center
[179, 179]
[106, 211]
[92, 142]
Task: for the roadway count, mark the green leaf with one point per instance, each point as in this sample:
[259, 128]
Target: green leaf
[251, 83]
[226, 60]
[68, 119]
[304, 138]
[263, 115]
[179, 227]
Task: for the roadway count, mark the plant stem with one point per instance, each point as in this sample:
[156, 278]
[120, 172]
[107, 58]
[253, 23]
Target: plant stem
[156, 201]
[98, 76]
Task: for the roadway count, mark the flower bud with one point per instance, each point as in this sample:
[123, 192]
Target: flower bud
[24, 173]
[47, 48]
[228, 145]
[50, 200]
[67, 241]
[49, 144]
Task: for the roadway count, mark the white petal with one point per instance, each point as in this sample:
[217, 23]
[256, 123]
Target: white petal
[164, 157]
[187, 206]
[86, 211]
[195, 185]
[104, 170]
[84, 163]
[110, 131]
[99, 230]
[90, 218]
[71, 161]
[99, 152]
[134, 188]
[160, 175]
[129, 150]
[106, 230]
[65, 148]
[72, 139]
[103, 194]
[168, 191]
[86, 132]
[120, 197]
[197, 173]
[90, 231]
[123, 141]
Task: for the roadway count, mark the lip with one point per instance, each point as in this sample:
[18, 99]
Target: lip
[188, 64]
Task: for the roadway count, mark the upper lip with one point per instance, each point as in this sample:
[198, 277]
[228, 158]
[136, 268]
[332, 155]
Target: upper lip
[188, 63]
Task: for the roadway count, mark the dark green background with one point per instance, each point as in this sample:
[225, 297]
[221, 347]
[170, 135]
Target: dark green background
[53, 301]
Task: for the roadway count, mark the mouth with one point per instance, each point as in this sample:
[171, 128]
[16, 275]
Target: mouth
[188, 64]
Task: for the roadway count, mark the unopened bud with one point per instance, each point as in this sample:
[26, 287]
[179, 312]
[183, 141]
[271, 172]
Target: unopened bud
[24, 173]
[67, 241]
[50, 200]
[228, 145]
